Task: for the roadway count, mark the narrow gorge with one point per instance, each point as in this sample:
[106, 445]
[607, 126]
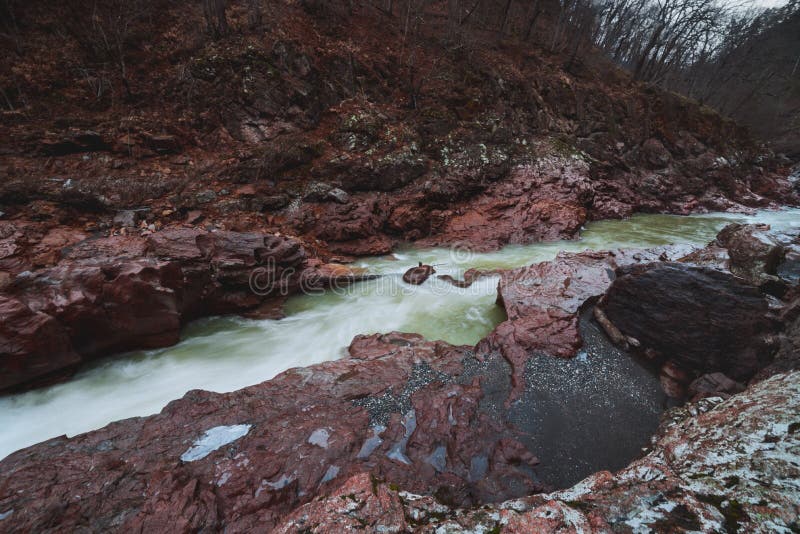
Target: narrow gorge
[418, 267]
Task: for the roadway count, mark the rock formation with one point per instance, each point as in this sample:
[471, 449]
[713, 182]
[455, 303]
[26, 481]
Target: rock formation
[121, 293]
[415, 435]
[417, 275]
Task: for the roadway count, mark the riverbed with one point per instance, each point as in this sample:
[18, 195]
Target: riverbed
[227, 353]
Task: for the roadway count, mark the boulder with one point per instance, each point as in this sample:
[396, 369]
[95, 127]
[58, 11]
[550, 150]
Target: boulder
[417, 275]
[754, 254]
[705, 320]
[33, 345]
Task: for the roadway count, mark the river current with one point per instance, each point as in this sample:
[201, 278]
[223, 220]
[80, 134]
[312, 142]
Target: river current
[227, 353]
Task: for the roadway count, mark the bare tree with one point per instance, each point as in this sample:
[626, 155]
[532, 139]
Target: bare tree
[254, 15]
[216, 19]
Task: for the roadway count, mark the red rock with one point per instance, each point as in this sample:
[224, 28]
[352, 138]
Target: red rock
[370, 246]
[194, 217]
[32, 345]
[124, 292]
[655, 154]
[311, 430]
[377, 506]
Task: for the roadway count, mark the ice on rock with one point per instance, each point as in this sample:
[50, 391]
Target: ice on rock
[398, 450]
[438, 459]
[319, 437]
[213, 439]
[330, 474]
[371, 443]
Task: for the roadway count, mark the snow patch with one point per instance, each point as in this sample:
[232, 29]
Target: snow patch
[330, 474]
[224, 478]
[319, 437]
[213, 439]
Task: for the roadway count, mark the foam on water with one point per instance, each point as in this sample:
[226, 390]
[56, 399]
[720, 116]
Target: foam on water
[225, 354]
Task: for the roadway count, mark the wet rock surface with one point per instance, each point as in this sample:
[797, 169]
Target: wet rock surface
[703, 472]
[418, 275]
[705, 320]
[118, 293]
[413, 434]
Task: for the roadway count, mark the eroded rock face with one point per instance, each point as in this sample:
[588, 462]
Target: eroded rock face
[121, 293]
[539, 202]
[705, 320]
[32, 344]
[543, 301]
[401, 408]
[703, 473]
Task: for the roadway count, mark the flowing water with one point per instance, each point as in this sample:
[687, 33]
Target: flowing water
[228, 353]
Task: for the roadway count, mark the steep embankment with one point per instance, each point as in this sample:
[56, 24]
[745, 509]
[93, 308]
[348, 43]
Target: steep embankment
[305, 126]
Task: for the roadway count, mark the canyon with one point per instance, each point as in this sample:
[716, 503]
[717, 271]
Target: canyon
[331, 274]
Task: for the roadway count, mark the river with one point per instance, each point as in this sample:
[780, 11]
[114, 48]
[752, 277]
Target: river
[227, 353]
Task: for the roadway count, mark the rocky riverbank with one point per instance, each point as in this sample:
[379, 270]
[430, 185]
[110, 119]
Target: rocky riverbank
[457, 426]
[125, 217]
[144, 184]
[106, 295]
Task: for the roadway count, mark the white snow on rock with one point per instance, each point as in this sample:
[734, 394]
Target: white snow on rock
[319, 437]
[213, 439]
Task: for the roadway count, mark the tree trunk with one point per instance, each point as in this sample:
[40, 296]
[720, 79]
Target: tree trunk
[216, 20]
[532, 21]
[254, 16]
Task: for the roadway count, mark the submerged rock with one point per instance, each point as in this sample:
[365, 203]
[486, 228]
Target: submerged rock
[418, 275]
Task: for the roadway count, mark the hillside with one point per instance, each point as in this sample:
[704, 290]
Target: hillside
[340, 126]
